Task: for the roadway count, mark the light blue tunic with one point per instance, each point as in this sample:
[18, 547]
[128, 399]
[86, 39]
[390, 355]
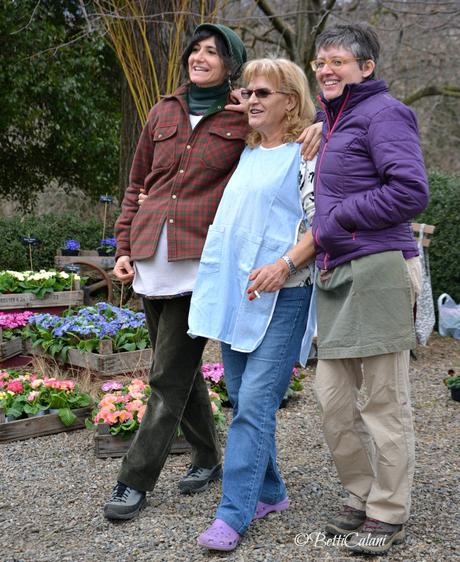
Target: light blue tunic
[256, 223]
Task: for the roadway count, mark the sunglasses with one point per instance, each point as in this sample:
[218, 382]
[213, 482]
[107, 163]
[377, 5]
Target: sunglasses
[260, 93]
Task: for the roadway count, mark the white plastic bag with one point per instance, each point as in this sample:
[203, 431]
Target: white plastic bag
[449, 317]
[425, 318]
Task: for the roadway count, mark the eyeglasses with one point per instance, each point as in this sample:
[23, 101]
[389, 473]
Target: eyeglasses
[334, 63]
[261, 93]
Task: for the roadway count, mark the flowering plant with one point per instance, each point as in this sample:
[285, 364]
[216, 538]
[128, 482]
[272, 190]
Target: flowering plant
[71, 245]
[123, 405]
[108, 245]
[452, 381]
[12, 321]
[84, 328]
[295, 384]
[27, 393]
[213, 374]
[37, 282]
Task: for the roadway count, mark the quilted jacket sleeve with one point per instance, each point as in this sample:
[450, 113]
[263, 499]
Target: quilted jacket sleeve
[394, 148]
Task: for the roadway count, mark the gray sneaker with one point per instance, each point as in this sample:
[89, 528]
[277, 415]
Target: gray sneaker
[347, 521]
[124, 503]
[376, 537]
[197, 478]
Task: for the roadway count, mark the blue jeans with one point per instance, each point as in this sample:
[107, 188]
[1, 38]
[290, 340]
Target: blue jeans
[256, 383]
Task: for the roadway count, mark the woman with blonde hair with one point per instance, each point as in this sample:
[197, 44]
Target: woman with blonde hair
[254, 288]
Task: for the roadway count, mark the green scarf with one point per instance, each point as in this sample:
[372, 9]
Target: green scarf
[200, 100]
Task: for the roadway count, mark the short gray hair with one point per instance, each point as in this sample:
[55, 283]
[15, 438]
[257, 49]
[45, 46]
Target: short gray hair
[360, 39]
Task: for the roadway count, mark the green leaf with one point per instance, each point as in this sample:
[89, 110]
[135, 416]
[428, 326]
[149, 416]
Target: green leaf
[66, 416]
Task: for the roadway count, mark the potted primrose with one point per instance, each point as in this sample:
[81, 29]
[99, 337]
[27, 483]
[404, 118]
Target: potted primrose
[71, 248]
[453, 384]
[107, 247]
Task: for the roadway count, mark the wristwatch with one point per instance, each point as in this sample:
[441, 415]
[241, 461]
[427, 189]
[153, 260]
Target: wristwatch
[290, 264]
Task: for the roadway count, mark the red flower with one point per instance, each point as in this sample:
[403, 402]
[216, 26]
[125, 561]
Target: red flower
[15, 386]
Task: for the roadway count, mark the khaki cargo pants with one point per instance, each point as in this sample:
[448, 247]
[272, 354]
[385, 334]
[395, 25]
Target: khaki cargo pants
[372, 446]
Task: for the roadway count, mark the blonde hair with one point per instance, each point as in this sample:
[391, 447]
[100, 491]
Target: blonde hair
[290, 78]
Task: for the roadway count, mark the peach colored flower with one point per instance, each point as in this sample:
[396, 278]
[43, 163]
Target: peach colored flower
[137, 395]
[32, 395]
[124, 415]
[141, 412]
[214, 408]
[36, 383]
[134, 405]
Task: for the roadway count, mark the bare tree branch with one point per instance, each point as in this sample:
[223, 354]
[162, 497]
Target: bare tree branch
[280, 25]
[446, 90]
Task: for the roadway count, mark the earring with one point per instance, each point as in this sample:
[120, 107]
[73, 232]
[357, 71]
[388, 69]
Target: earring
[288, 116]
[229, 80]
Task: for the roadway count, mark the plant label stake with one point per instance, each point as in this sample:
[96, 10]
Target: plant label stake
[106, 199]
[121, 295]
[73, 269]
[30, 241]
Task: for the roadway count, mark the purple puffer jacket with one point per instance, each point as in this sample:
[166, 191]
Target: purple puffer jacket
[370, 177]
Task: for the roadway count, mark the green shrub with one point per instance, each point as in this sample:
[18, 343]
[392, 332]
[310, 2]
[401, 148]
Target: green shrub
[51, 230]
[443, 212]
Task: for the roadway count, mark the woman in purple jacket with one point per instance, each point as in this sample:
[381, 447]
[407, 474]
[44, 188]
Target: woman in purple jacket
[370, 182]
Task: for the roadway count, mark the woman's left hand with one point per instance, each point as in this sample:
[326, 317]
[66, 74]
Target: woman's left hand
[310, 139]
[268, 278]
[239, 104]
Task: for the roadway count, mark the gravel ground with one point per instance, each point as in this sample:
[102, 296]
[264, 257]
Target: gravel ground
[52, 490]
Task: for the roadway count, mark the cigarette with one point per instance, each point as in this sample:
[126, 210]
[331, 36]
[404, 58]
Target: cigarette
[257, 294]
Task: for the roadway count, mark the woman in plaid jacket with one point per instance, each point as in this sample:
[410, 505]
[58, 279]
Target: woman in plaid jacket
[187, 152]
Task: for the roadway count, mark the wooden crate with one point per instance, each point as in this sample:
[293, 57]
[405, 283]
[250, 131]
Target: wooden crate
[9, 348]
[29, 300]
[110, 446]
[105, 262]
[41, 425]
[103, 363]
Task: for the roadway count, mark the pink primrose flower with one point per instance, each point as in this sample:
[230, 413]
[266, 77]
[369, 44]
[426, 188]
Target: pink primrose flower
[214, 407]
[137, 395]
[111, 385]
[108, 400]
[33, 395]
[15, 386]
[141, 412]
[110, 417]
[134, 405]
[213, 371]
[4, 375]
[124, 415]
[213, 395]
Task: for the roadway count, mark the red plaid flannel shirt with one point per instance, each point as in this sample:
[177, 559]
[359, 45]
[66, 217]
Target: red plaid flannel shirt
[184, 172]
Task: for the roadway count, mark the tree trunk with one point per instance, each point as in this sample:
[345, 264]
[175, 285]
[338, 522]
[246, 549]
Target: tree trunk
[130, 130]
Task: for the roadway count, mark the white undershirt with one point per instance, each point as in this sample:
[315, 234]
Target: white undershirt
[158, 277]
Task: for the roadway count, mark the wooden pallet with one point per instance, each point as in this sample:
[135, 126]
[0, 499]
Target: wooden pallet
[110, 446]
[9, 348]
[104, 363]
[41, 425]
[29, 300]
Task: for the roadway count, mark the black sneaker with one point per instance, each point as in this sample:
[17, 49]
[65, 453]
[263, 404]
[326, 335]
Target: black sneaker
[197, 478]
[376, 537]
[124, 503]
